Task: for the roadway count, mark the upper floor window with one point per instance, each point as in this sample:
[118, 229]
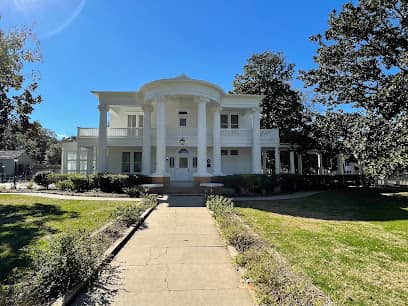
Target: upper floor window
[135, 121]
[234, 122]
[131, 121]
[229, 121]
[182, 115]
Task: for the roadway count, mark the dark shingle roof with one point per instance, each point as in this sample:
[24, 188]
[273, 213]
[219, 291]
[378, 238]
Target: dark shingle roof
[10, 154]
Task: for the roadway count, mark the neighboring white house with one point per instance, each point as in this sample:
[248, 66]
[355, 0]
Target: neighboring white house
[176, 129]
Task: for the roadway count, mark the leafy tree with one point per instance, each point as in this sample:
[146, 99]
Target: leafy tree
[18, 48]
[268, 74]
[362, 60]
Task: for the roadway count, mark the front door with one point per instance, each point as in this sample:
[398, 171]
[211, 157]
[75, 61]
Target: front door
[181, 166]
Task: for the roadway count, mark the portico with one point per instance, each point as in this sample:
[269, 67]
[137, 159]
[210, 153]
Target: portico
[175, 129]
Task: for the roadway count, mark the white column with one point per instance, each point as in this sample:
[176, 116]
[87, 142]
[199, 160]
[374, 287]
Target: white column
[89, 160]
[161, 138]
[300, 164]
[277, 161]
[319, 163]
[78, 159]
[217, 142]
[256, 142]
[340, 164]
[292, 162]
[63, 160]
[147, 146]
[202, 138]
[101, 154]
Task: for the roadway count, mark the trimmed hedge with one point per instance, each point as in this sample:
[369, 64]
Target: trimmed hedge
[252, 184]
[105, 182]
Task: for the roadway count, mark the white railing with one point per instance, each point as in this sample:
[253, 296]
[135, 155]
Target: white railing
[87, 132]
[125, 132]
[112, 132]
[236, 132]
[270, 133]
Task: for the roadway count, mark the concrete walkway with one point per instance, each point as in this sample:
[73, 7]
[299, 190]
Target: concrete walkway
[179, 259]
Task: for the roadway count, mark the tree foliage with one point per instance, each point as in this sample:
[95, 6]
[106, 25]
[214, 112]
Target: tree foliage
[362, 60]
[268, 74]
[18, 48]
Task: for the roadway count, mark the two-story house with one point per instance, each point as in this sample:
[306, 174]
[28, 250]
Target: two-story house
[177, 129]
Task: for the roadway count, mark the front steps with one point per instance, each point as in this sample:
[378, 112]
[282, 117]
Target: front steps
[182, 188]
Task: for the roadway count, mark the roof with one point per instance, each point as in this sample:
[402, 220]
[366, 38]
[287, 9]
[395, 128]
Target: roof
[10, 154]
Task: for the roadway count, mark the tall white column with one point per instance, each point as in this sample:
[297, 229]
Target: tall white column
[147, 146]
[63, 160]
[202, 138]
[300, 164]
[89, 160]
[217, 142]
[256, 142]
[292, 162]
[277, 161]
[161, 138]
[78, 160]
[340, 164]
[319, 163]
[101, 154]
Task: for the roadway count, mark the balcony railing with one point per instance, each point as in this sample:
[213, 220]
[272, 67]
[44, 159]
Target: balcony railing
[228, 136]
[112, 132]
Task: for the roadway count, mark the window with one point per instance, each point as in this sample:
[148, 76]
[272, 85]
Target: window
[234, 122]
[171, 162]
[229, 121]
[137, 161]
[183, 113]
[183, 121]
[71, 162]
[208, 163]
[194, 162]
[131, 121]
[234, 152]
[125, 161]
[140, 121]
[224, 121]
[224, 152]
[183, 162]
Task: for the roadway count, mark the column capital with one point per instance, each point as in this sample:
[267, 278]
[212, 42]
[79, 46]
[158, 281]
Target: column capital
[204, 100]
[255, 110]
[147, 108]
[103, 107]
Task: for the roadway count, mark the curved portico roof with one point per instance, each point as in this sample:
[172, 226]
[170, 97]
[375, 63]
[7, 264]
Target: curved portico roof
[181, 85]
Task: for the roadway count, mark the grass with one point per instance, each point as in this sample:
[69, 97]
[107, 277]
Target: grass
[27, 222]
[352, 244]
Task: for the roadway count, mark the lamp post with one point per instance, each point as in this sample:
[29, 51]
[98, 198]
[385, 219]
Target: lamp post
[15, 170]
[2, 172]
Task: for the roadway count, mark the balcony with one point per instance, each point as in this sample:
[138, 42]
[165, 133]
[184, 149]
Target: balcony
[134, 136]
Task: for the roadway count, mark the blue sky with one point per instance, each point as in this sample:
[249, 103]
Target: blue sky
[120, 45]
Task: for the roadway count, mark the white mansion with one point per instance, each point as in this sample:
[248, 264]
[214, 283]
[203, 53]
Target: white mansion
[176, 129]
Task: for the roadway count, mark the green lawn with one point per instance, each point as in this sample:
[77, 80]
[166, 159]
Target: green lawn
[26, 222]
[352, 244]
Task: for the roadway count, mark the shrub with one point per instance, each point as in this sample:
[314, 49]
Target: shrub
[70, 259]
[65, 185]
[80, 182]
[30, 185]
[54, 178]
[219, 205]
[111, 182]
[128, 214]
[41, 178]
[135, 192]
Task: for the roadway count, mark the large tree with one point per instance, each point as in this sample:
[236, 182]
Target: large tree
[18, 80]
[268, 74]
[362, 60]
